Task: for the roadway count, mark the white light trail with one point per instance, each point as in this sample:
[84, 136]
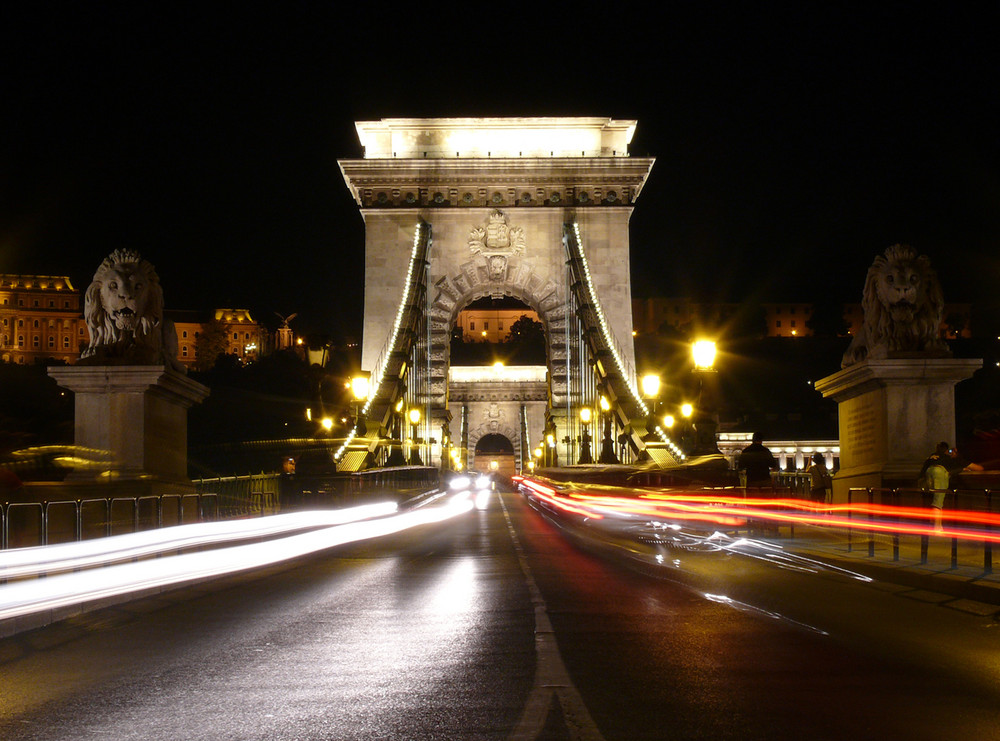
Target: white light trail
[30, 596]
[49, 559]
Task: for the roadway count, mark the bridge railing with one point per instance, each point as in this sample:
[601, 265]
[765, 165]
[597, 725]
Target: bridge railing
[407, 315]
[969, 548]
[60, 519]
[25, 524]
[604, 341]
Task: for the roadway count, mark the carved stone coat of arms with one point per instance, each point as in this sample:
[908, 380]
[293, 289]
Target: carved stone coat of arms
[496, 241]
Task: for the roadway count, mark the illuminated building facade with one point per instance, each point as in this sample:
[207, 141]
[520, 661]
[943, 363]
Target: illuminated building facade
[490, 325]
[40, 318]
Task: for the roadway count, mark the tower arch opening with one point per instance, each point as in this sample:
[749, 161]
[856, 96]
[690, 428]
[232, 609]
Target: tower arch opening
[494, 453]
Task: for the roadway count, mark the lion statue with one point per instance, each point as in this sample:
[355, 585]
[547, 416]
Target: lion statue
[123, 308]
[903, 306]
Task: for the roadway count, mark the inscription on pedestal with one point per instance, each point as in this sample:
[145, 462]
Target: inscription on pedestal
[862, 429]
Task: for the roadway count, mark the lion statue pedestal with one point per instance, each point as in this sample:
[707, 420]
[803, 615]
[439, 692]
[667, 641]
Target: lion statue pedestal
[892, 414]
[132, 394]
[139, 413]
[896, 392]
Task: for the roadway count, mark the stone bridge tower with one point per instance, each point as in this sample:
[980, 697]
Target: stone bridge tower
[497, 194]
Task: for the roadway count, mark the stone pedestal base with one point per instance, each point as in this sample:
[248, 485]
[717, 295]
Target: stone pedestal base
[138, 413]
[892, 413]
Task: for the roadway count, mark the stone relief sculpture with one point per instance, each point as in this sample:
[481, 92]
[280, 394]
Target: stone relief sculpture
[497, 241]
[903, 307]
[123, 308]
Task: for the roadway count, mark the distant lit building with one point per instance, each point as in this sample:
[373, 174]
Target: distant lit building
[245, 338]
[40, 318]
[787, 319]
[490, 325]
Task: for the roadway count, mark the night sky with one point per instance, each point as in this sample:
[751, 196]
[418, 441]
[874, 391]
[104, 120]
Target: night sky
[792, 145]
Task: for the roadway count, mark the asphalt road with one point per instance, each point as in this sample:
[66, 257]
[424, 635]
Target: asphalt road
[495, 626]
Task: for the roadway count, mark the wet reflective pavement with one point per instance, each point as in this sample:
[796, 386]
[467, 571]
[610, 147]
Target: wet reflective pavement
[499, 625]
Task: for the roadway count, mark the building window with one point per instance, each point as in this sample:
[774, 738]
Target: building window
[184, 351]
[184, 334]
[486, 325]
[65, 343]
[236, 335]
[52, 304]
[472, 326]
[35, 342]
[777, 324]
[52, 342]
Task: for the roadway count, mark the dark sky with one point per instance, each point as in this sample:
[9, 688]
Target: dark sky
[792, 146]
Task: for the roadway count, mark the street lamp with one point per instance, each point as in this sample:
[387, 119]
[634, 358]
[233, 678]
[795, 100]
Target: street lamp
[585, 456]
[703, 354]
[359, 387]
[650, 390]
[414, 421]
[607, 444]
[706, 420]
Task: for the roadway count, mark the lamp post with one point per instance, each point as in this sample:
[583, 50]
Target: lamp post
[415, 452]
[650, 385]
[607, 443]
[706, 420]
[585, 456]
[360, 388]
[396, 455]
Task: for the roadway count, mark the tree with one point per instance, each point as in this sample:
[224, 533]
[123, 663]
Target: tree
[209, 345]
[526, 331]
[827, 319]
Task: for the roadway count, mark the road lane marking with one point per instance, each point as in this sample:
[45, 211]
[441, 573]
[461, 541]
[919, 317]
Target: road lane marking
[552, 681]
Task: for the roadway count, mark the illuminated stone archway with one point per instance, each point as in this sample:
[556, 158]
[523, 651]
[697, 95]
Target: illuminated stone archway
[497, 194]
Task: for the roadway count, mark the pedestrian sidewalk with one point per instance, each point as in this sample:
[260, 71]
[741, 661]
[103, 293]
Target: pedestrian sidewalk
[953, 569]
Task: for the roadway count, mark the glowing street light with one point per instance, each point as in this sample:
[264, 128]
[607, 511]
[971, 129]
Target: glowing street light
[360, 389]
[607, 444]
[687, 409]
[585, 456]
[703, 354]
[651, 385]
[707, 421]
[414, 416]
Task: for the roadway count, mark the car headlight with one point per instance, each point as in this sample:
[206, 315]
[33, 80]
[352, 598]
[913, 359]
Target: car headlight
[460, 482]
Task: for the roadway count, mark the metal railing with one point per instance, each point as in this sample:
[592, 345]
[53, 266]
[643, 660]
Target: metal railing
[243, 496]
[25, 524]
[977, 500]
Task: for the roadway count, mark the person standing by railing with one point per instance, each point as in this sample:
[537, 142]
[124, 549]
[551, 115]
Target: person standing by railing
[757, 461]
[820, 483]
[935, 474]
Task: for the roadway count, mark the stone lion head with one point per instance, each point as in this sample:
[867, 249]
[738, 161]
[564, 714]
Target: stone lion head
[903, 306]
[123, 308]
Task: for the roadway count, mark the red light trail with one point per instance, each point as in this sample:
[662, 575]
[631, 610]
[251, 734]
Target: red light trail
[736, 511]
